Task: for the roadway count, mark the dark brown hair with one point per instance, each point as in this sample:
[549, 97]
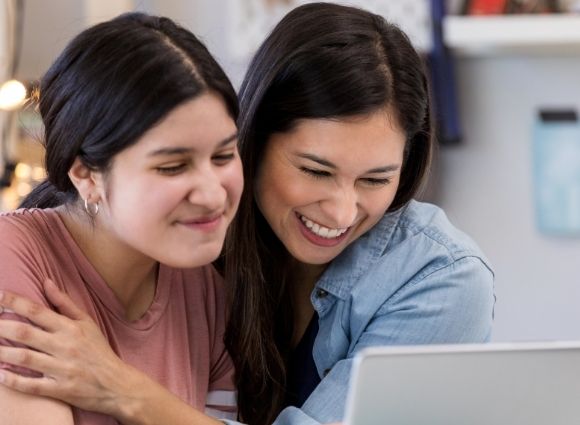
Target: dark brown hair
[112, 83]
[321, 61]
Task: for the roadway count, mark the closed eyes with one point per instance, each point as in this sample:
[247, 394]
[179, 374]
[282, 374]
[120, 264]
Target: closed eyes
[321, 174]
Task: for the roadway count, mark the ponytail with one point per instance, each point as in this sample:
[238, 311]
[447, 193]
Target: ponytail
[45, 195]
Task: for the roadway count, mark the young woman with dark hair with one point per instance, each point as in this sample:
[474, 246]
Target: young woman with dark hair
[143, 180]
[329, 253]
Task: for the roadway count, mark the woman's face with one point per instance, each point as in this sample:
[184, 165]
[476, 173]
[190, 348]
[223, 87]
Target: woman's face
[172, 195]
[325, 183]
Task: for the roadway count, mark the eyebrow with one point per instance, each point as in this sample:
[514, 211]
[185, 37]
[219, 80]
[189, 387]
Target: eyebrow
[326, 163]
[182, 150]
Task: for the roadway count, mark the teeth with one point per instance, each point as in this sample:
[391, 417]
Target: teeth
[322, 231]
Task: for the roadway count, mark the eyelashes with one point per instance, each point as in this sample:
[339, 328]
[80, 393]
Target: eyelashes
[177, 168]
[322, 174]
[317, 174]
[223, 159]
[171, 170]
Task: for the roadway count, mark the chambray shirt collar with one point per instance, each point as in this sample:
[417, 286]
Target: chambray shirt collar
[357, 258]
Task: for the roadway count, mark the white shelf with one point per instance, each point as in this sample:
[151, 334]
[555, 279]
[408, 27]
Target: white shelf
[541, 34]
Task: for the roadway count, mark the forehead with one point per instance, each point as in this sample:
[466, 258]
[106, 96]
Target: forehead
[374, 137]
[197, 124]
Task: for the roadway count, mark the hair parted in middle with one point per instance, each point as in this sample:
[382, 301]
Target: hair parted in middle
[322, 61]
[112, 83]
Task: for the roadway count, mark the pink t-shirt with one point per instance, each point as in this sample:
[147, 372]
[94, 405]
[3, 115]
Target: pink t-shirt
[178, 341]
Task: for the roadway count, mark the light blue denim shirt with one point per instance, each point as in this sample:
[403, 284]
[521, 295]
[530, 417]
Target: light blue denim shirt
[412, 279]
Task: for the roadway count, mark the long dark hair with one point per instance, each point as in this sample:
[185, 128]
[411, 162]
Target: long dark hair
[321, 61]
[112, 83]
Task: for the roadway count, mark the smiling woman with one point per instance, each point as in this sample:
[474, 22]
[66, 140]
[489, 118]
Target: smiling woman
[186, 175]
[332, 253]
[144, 179]
[338, 192]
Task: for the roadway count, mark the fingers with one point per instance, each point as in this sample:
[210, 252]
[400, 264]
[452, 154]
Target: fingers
[28, 359]
[35, 386]
[26, 334]
[38, 314]
[62, 301]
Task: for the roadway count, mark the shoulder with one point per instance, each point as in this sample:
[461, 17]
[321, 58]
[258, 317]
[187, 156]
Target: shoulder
[24, 228]
[26, 252]
[427, 224]
[33, 222]
[20, 220]
[405, 246]
[424, 243]
[430, 280]
[427, 254]
[18, 408]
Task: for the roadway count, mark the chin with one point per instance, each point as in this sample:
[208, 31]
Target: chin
[196, 257]
[191, 263]
[314, 260]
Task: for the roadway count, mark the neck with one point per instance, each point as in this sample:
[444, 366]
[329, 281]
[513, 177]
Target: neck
[302, 281]
[305, 276]
[131, 275]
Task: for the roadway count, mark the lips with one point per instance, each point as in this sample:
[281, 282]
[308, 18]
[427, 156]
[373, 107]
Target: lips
[204, 223]
[202, 220]
[316, 238]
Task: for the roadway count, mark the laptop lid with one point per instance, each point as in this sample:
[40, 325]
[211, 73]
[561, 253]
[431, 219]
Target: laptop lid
[474, 384]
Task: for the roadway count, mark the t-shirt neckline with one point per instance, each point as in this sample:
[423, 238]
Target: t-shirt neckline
[101, 290]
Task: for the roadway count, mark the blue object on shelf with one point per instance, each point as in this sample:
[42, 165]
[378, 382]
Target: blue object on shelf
[442, 76]
[556, 151]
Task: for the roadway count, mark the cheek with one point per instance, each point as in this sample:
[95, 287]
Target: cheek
[291, 191]
[156, 195]
[379, 203]
[233, 181]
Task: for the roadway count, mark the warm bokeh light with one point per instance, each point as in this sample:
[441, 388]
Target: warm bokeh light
[38, 173]
[23, 171]
[12, 95]
[23, 189]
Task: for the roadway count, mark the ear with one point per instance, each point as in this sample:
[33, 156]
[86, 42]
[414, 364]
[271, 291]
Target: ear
[87, 182]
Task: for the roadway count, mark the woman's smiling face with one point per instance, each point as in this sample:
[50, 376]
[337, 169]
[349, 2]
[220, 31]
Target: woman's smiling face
[327, 182]
[172, 195]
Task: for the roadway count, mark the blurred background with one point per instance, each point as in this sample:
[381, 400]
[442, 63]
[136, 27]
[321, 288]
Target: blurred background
[506, 85]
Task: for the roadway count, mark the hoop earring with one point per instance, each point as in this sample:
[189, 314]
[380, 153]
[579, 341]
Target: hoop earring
[92, 209]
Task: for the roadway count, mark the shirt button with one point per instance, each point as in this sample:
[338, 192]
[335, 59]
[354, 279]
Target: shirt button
[321, 293]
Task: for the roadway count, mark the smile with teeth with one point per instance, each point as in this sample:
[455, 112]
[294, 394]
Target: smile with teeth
[323, 232]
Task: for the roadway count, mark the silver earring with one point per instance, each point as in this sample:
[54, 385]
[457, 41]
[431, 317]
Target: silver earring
[92, 208]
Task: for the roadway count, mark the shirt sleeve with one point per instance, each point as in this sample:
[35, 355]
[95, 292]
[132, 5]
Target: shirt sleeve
[451, 305]
[21, 272]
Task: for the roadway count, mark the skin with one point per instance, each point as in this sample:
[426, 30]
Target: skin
[338, 173]
[344, 174]
[168, 198]
[186, 175]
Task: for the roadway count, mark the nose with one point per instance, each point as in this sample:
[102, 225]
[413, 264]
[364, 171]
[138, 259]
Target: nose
[208, 191]
[341, 207]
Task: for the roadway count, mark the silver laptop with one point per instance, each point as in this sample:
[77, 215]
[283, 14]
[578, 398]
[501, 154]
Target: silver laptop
[482, 384]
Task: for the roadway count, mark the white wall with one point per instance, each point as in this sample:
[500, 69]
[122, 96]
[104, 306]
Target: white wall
[486, 188]
[48, 26]
[208, 20]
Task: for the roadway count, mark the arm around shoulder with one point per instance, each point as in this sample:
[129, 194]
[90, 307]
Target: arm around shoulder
[21, 409]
